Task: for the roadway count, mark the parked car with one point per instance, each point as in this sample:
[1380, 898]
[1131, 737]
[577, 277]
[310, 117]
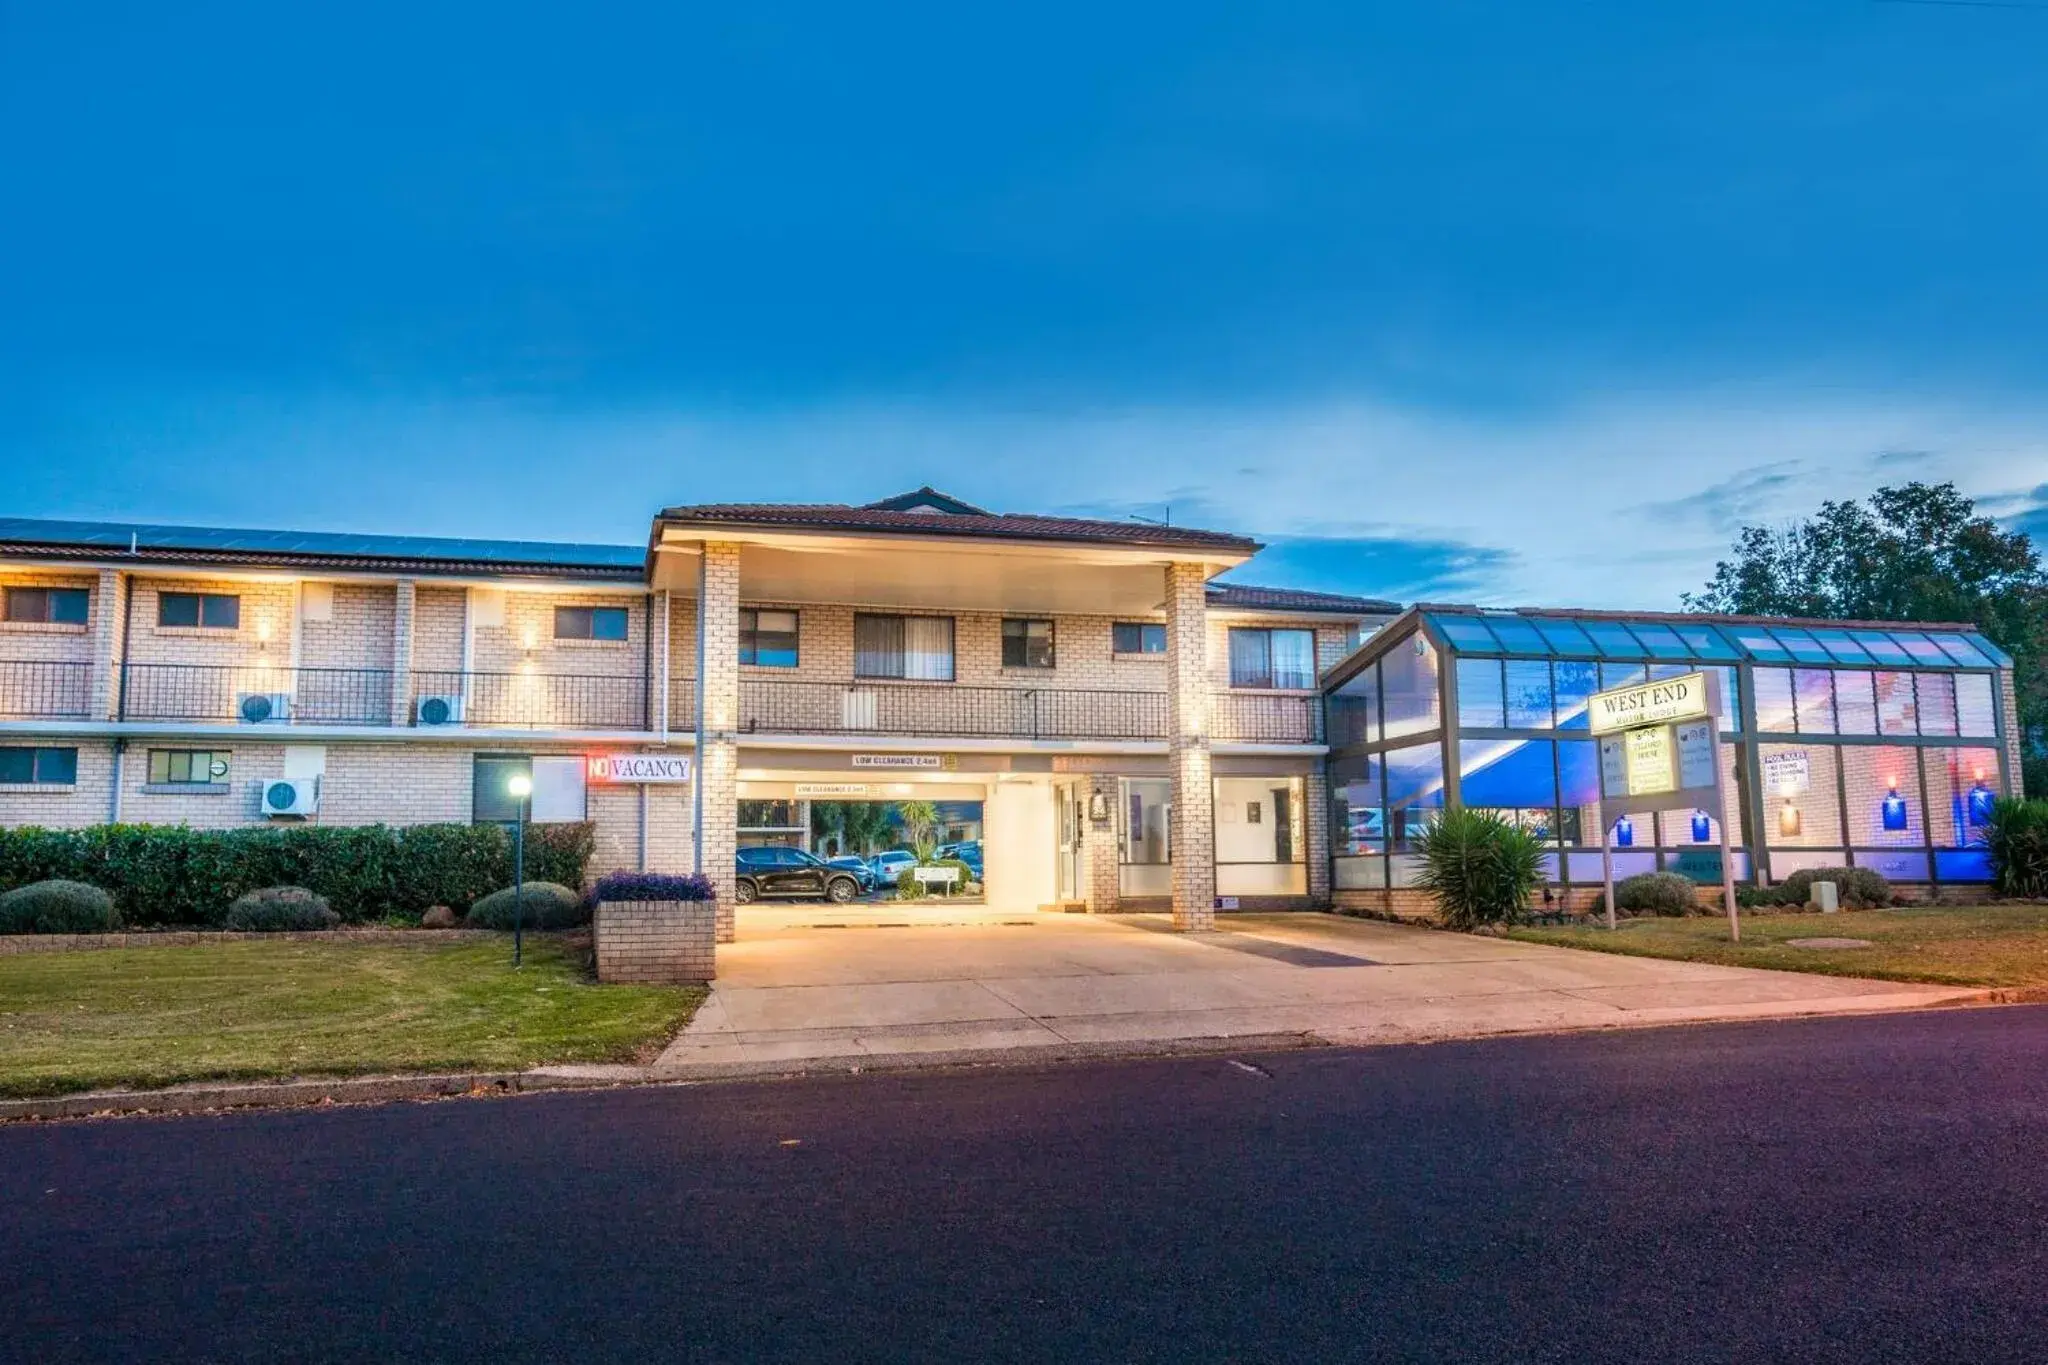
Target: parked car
[967, 851]
[790, 874]
[889, 866]
[862, 873]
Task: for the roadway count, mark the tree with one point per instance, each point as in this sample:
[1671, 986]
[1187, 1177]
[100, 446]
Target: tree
[866, 826]
[1917, 552]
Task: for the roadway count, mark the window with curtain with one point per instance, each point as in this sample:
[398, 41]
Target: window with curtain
[919, 648]
[1260, 657]
[768, 639]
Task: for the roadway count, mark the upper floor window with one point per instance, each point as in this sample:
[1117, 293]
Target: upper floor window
[767, 638]
[51, 767]
[917, 647]
[199, 610]
[1260, 657]
[48, 606]
[590, 623]
[188, 767]
[1027, 644]
[1137, 637]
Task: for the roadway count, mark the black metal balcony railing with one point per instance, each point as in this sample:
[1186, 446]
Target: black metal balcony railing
[1265, 718]
[256, 693]
[773, 706]
[538, 701]
[44, 689]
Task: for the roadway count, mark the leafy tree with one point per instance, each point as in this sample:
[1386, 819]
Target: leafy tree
[1917, 552]
[866, 826]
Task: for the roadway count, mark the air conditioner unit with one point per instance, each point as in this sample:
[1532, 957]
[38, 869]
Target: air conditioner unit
[441, 708]
[291, 798]
[258, 707]
[857, 710]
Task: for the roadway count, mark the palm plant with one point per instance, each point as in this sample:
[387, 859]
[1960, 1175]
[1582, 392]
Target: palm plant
[1480, 868]
[920, 819]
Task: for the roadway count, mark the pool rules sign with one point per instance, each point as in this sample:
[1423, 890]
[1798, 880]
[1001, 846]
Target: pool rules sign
[1660, 751]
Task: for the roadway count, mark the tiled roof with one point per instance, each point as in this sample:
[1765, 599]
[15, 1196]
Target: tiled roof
[1000, 526]
[29, 537]
[1247, 597]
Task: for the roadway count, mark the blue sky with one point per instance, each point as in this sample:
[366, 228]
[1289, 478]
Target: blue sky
[1509, 302]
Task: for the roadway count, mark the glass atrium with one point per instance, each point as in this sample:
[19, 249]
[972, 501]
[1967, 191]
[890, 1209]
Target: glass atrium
[1877, 746]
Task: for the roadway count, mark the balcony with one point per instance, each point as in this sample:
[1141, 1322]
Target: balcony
[42, 689]
[209, 693]
[538, 701]
[943, 711]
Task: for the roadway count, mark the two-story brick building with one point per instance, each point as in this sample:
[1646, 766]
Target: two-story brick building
[1136, 733]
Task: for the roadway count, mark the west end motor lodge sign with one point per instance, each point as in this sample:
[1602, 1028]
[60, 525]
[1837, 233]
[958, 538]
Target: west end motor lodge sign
[1657, 740]
[1651, 703]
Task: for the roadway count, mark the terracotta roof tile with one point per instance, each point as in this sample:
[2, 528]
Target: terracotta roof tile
[1002, 526]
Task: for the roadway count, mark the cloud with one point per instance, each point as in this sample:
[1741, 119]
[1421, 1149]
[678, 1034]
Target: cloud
[1620, 501]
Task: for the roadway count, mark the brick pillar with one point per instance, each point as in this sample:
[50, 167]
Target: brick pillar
[405, 596]
[1100, 862]
[109, 620]
[658, 625]
[718, 633]
[1315, 801]
[2009, 720]
[1187, 740]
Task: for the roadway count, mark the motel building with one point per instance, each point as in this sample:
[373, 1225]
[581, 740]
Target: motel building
[1122, 729]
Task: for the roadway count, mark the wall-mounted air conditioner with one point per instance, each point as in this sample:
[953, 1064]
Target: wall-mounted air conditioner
[291, 798]
[259, 707]
[440, 708]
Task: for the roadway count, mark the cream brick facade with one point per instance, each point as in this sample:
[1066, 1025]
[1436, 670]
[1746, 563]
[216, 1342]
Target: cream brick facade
[1188, 685]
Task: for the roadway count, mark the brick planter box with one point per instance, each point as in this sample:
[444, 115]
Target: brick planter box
[668, 942]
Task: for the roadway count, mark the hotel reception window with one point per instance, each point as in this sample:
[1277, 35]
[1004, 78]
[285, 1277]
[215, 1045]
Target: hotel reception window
[1870, 747]
[1261, 838]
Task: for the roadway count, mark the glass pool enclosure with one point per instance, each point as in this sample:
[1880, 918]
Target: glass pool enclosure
[1875, 745]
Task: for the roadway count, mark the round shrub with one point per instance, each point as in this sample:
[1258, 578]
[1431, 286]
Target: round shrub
[1861, 888]
[280, 909]
[57, 907]
[543, 905]
[1655, 893]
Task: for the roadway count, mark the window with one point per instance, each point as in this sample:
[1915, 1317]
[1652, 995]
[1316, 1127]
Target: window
[1975, 712]
[42, 767]
[188, 767]
[1528, 694]
[1937, 703]
[1272, 658]
[1027, 644]
[767, 638]
[1813, 693]
[1415, 792]
[1480, 706]
[1137, 637]
[1855, 702]
[590, 623]
[1774, 699]
[1576, 684]
[1408, 679]
[914, 647]
[1514, 779]
[48, 606]
[1353, 710]
[199, 610]
[491, 800]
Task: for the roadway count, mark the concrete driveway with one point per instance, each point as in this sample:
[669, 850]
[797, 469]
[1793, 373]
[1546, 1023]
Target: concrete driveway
[807, 984]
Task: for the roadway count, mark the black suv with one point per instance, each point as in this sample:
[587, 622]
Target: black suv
[770, 872]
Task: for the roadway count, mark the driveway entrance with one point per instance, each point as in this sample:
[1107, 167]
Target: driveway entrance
[876, 982]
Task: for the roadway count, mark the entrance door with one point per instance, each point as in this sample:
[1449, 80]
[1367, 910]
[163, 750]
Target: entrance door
[1068, 853]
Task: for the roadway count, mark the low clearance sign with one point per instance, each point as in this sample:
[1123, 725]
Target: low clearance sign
[1654, 703]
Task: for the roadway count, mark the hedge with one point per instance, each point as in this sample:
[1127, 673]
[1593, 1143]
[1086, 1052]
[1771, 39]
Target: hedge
[176, 875]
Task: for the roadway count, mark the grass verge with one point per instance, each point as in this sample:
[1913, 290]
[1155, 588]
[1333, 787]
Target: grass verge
[263, 1010]
[1979, 945]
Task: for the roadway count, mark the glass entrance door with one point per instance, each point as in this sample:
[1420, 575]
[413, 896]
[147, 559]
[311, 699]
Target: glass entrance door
[1067, 857]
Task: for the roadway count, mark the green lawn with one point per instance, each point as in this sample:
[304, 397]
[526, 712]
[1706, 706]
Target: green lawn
[1979, 945]
[251, 1009]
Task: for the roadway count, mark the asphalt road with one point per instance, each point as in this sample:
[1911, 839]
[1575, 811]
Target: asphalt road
[1858, 1190]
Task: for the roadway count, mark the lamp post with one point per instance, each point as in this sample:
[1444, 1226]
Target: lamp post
[520, 785]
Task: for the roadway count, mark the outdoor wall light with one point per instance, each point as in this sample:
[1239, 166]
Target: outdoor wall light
[1625, 832]
[1098, 807]
[1788, 818]
[1893, 807]
[1702, 828]
[263, 635]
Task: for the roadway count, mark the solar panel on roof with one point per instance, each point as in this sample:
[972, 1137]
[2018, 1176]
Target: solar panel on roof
[38, 531]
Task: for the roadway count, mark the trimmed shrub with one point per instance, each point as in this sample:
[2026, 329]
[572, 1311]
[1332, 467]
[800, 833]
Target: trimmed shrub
[2016, 838]
[1655, 893]
[909, 888]
[542, 905]
[1861, 888]
[651, 886]
[172, 874]
[57, 907]
[1481, 869]
[280, 909]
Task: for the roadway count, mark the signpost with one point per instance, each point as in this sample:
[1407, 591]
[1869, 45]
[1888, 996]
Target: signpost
[1659, 750]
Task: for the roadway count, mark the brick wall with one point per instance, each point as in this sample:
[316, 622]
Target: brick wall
[1187, 743]
[83, 803]
[670, 942]
[437, 617]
